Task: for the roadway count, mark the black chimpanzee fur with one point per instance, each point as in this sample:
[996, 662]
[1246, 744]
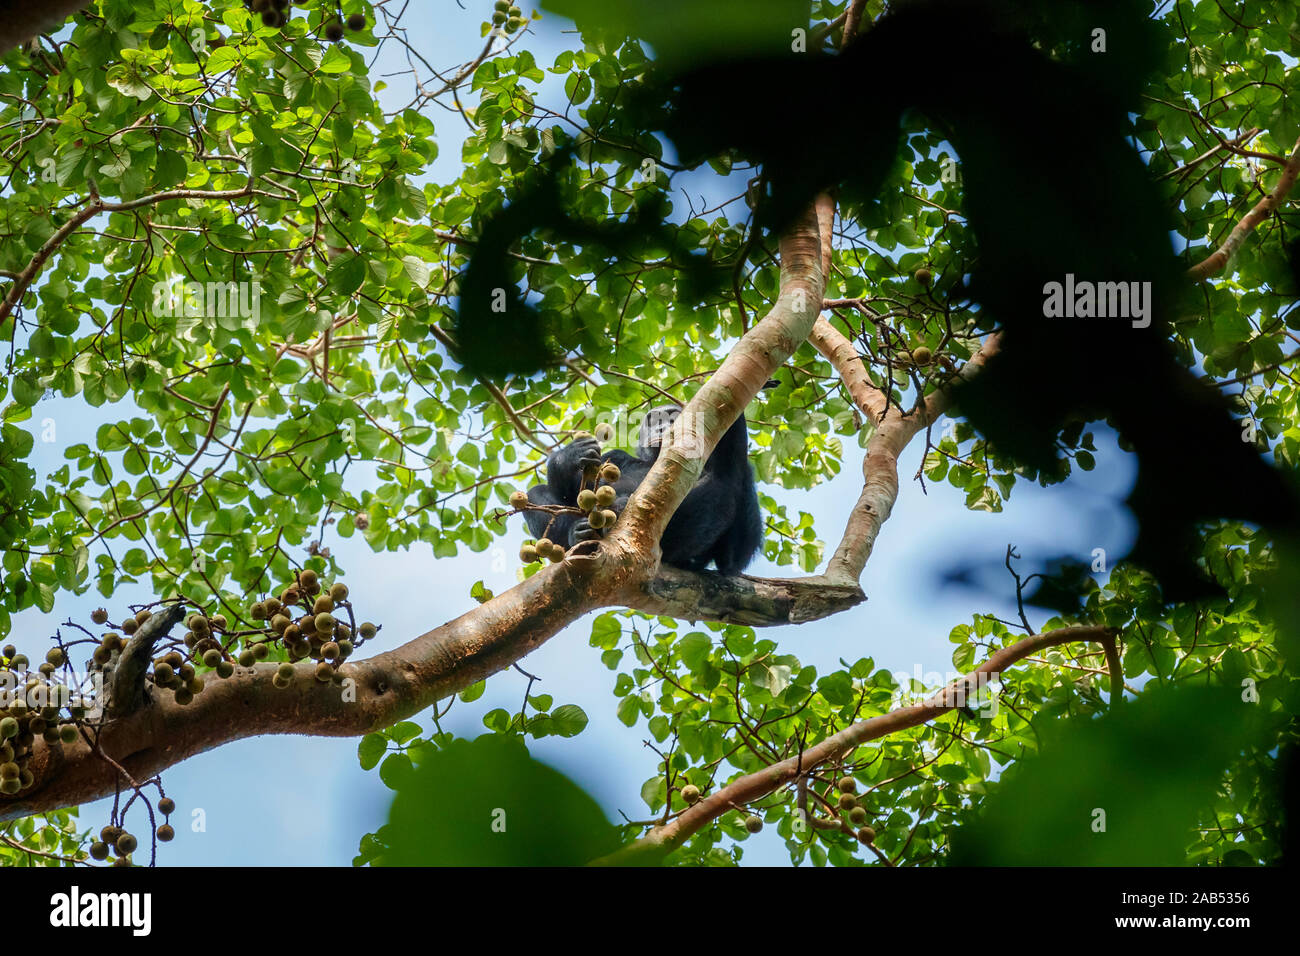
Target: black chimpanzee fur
[718, 522]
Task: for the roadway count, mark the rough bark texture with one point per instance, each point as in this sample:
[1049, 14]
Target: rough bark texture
[758, 602]
[381, 691]
[19, 22]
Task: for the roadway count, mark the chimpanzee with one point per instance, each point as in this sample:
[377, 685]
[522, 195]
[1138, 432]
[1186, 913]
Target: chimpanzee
[719, 520]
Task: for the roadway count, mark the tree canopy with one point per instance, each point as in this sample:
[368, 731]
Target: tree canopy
[220, 239]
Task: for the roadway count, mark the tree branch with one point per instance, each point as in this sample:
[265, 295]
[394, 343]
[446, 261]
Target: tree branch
[1116, 669]
[759, 353]
[379, 692]
[126, 692]
[662, 840]
[880, 470]
[832, 343]
[1215, 262]
[851, 21]
[756, 602]
[94, 207]
[844, 358]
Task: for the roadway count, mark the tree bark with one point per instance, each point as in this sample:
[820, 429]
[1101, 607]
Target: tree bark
[20, 22]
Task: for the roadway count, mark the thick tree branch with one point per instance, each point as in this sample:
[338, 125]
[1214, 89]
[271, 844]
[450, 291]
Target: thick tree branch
[126, 692]
[760, 352]
[844, 358]
[20, 21]
[663, 839]
[756, 602]
[880, 469]
[851, 21]
[380, 691]
[1115, 666]
[832, 343]
[894, 429]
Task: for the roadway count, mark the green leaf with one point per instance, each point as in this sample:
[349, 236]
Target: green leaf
[395, 771]
[417, 270]
[169, 169]
[569, 720]
[403, 731]
[629, 709]
[128, 82]
[346, 273]
[335, 61]
[694, 649]
[221, 59]
[371, 749]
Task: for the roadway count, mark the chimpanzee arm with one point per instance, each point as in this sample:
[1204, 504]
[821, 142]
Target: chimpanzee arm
[719, 520]
[704, 524]
[564, 469]
[632, 471]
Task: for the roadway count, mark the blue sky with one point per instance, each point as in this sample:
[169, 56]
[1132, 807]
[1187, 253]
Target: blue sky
[305, 801]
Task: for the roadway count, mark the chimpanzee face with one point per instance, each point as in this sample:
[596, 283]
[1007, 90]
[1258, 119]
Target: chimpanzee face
[654, 428]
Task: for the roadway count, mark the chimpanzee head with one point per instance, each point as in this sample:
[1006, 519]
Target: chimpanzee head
[654, 428]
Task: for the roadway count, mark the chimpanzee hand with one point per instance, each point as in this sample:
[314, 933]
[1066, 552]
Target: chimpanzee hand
[583, 531]
[565, 468]
[587, 452]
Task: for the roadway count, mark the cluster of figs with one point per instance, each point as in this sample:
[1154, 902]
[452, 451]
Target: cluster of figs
[594, 502]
